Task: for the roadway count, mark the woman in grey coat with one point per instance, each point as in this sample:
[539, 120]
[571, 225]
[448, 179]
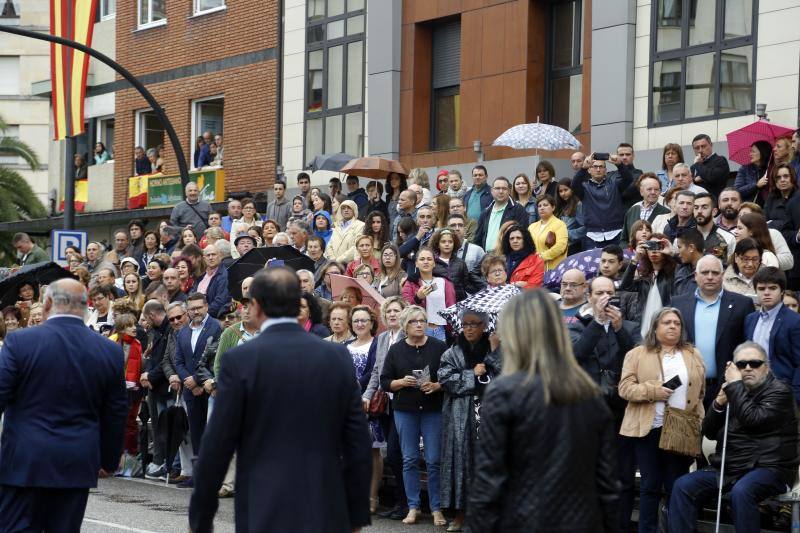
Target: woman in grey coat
[465, 370]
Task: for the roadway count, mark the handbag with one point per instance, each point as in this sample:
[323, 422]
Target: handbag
[550, 239]
[378, 404]
[680, 433]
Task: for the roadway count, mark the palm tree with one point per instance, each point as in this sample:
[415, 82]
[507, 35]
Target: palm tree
[18, 201]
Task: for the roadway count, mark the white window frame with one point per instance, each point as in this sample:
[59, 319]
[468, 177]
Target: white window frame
[151, 23]
[195, 119]
[109, 16]
[197, 11]
[12, 132]
[100, 132]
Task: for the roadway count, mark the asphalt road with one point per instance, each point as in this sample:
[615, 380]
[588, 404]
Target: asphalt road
[142, 506]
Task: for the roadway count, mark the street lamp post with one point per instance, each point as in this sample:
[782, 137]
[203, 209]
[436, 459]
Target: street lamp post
[69, 196]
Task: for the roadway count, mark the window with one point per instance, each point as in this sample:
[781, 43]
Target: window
[105, 133]
[701, 59]
[108, 9]
[9, 74]
[11, 132]
[446, 85]
[202, 6]
[9, 12]
[565, 65]
[207, 115]
[149, 131]
[334, 83]
[152, 13]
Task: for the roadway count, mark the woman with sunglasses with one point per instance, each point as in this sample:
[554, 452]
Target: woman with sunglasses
[664, 354]
[466, 369]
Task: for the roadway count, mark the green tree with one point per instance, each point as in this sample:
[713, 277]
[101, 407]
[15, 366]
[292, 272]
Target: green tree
[17, 201]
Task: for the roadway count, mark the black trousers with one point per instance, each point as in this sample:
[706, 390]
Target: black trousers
[30, 509]
[197, 411]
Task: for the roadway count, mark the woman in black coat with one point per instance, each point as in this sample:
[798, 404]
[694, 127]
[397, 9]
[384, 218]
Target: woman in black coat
[545, 456]
[444, 244]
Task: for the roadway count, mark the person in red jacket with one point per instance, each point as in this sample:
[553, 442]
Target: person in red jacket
[125, 335]
[524, 266]
[430, 292]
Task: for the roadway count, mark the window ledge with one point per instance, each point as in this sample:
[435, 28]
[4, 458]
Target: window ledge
[149, 25]
[112, 16]
[208, 11]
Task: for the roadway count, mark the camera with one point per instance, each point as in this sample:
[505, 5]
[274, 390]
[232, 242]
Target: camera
[614, 301]
[652, 245]
[601, 156]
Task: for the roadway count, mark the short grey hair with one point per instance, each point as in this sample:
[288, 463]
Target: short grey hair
[173, 305]
[66, 302]
[681, 166]
[750, 345]
[224, 247]
[300, 225]
[409, 313]
[304, 271]
[709, 257]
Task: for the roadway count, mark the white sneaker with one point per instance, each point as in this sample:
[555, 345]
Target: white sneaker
[152, 468]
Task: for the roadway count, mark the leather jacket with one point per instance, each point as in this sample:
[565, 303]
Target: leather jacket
[762, 430]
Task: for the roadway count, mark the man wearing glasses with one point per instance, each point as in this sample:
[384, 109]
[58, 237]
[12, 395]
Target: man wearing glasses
[471, 254]
[761, 454]
[776, 328]
[603, 207]
[502, 210]
[573, 294]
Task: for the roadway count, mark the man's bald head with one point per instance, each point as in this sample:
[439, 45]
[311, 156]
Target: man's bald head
[574, 275]
[66, 297]
[709, 261]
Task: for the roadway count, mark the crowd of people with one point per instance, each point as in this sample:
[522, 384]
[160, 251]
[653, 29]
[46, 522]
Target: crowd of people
[678, 262]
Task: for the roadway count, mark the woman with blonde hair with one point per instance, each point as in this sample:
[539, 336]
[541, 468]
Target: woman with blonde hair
[664, 356]
[543, 397]
[132, 285]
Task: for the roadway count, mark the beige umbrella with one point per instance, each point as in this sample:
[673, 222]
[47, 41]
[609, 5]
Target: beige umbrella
[373, 167]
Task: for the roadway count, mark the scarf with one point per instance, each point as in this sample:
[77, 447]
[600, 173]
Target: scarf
[514, 259]
[325, 235]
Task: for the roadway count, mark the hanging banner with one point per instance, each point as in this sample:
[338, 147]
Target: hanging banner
[73, 20]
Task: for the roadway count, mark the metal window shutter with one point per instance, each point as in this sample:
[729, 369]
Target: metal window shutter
[447, 55]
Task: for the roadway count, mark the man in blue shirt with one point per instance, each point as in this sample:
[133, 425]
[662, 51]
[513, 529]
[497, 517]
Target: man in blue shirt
[714, 320]
[776, 328]
[478, 197]
[234, 213]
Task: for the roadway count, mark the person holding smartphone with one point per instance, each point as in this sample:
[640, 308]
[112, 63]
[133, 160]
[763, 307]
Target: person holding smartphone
[410, 373]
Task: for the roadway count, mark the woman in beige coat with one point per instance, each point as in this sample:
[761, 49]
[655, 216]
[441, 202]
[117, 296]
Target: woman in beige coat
[663, 355]
[343, 239]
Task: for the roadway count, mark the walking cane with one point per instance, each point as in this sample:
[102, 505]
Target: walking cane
[722, 466]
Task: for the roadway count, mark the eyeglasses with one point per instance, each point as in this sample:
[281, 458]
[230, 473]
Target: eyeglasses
[177, 318]
[471, 325]
[750, 260]
[497, 272]
[598, 167]
[361, 321]
[754, 364]
[417, 322]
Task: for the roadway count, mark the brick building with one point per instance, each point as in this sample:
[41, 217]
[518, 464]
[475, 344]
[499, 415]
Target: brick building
[214, 69]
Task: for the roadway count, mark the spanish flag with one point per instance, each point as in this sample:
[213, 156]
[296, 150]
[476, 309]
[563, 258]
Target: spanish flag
[73, 20]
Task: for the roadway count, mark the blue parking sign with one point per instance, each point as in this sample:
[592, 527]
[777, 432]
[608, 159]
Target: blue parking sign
[62, 239]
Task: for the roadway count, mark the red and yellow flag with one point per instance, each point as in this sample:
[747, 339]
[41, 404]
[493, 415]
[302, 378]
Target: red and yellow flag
[74, 20]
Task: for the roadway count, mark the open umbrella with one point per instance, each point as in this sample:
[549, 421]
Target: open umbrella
[490, 301]
[374, 167]
[369, 296]
[537, 136]
[739, 141]
[257, 258]
[332, 162]
[172, 427]
[37, 274]
[587, 262]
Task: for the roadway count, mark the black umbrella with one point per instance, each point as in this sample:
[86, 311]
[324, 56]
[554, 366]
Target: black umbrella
[172, 427]
[331, 162]
[257, 258]
[37, 274]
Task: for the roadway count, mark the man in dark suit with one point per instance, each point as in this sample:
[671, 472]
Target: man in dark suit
[776, 328]
[288, 403]
[214, 283]
[714, 320]
[62, 390]
[189, 346]
[709, 170]
[497, 213]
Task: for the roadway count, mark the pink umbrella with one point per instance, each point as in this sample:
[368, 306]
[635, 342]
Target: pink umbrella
[739, 141]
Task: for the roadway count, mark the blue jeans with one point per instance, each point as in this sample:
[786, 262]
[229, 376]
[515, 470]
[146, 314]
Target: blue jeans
[692, 490]
[659, 469]
[409, 427]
